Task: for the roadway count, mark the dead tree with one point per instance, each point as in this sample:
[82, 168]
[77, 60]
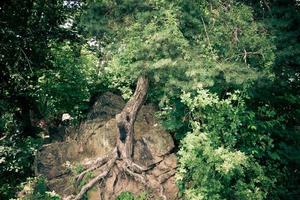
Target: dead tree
[122, 156]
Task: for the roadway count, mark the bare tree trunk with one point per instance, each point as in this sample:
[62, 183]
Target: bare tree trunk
[125, 119]
[120, 160]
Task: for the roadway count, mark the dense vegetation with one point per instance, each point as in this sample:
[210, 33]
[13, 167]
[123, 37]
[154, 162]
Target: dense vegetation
[224, 75]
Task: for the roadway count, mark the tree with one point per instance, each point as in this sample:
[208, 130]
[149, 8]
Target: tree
[151, 42]
[144, 45]
[27, 30]
[188, 57]
[273, 109]
[281, 94]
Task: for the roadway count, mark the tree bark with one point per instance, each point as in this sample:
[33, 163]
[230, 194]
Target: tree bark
[121, 159]
[125, 119]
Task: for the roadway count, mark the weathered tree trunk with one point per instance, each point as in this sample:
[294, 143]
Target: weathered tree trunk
[124, 150]
[125, 119]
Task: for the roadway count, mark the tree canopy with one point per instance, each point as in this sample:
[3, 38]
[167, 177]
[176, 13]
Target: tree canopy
[223, 74]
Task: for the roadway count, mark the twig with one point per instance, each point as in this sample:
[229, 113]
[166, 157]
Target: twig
[206, 33]
[28, 60]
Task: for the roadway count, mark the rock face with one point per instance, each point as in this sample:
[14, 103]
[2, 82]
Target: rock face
[95, 138]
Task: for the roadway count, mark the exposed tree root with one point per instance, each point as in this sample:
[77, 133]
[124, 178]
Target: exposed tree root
[163, 196]
[136, 167]
[166, 176]
[106, 168]
[138, 177]
[121, 158]
[112, 163]
[96, 164]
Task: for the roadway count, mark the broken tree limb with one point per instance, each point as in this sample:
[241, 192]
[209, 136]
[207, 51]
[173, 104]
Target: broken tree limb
[125, 119]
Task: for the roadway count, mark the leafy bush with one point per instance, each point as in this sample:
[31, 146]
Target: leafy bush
[220, 158]
[130, 196]
[125, 196]
[16, 158]
[67, 87]
[36, 189]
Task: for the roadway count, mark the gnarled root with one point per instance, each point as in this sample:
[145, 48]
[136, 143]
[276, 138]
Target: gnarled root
[112, 163]
[95, 165]
[136, 167]
[106, 164]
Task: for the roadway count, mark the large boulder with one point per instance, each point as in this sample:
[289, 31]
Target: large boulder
[95, 138]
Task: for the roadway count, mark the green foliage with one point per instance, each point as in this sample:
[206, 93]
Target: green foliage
[149, 43]
[219, 159]
[158, 39]
[130, 196]
[78, 169]
[229, 29]
[125, 196]
[234, 145]
[16, 157]
[36, 189]
[32, 46]
[281, 18]
[67, 87]
[217, 46]
[86, 178]
[25, 51]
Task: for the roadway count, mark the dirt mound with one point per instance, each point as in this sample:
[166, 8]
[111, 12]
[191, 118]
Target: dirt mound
[60, 162]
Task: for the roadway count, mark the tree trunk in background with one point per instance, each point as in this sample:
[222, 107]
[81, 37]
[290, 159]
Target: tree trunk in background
[125, 119]
[24, 117]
